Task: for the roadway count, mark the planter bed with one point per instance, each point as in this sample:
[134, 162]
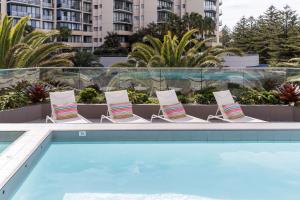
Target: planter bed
[273, 113]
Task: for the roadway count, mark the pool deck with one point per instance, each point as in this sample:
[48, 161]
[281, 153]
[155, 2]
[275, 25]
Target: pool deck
[151, 126]
[16, 157]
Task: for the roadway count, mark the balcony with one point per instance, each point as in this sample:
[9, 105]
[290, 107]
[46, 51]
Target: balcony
[210, 8]
[47, 17]
[47, 5]
[123, 9]
[31, 2]
[69, 19]
[123, 21]
[165, 8]
[68, 6]
[23, 14]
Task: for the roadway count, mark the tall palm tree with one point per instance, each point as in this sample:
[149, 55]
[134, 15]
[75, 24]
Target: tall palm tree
[32, 50]
[187, 52]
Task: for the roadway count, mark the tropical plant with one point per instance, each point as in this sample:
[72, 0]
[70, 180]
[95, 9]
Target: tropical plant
[90, 95]
[294, 62]
[252, 97]
[13, 100]
[38, 92]
[137, 97]
[178, 26]
[289, 92]
[31, 50]
[172, 52]
[205, 96]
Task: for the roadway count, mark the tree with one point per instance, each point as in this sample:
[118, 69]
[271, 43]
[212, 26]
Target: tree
[85, 59]
[64, 34]
[111, 40]
[275, 35]
[31, 50]
[173, 52]
[178, 26]
[226, 36]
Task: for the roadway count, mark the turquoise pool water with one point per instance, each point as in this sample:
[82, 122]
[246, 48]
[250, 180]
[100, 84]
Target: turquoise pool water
[3, 145]
[165, 171]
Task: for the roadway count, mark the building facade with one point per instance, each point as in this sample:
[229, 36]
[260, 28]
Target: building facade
[124, 17]
[54, 14]
[91, 20]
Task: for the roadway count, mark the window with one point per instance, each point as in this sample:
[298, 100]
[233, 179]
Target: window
[95, 6]
[95, 28]
[95, 39]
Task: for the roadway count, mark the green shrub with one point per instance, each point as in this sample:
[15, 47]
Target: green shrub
[13, 100]
[137, 97]
[252, 97]
[182, 98]
[87, 95]
[205, 96]
[152, 101]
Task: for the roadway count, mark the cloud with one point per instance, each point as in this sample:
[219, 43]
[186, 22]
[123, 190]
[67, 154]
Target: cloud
[234, 10]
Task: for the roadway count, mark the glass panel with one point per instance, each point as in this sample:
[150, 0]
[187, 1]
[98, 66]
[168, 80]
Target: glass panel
[10, 77]
[102, 79]
[61, 77]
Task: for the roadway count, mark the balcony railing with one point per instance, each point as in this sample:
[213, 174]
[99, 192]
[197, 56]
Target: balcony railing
[31, 2]
[68, 6]
[151, 79]
[47, 5]
[23, 14]
[123, 8]
[47, 17]
[126, 21]
[210, 8]
[165, 8]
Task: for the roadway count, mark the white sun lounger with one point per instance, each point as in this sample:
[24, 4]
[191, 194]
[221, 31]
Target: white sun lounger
[64, 98]
[223, 98]
[120, 97]
[169, 97]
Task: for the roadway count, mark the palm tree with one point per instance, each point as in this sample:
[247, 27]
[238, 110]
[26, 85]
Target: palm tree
[294, 62]
[187, 52]
[31, 50]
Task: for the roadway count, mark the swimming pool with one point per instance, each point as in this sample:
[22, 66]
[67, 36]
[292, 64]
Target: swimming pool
[165, 170]
[8, 137]
[3, 145]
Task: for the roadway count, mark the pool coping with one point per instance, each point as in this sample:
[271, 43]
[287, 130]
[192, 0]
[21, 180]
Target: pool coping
[149, 126]
[17, 154]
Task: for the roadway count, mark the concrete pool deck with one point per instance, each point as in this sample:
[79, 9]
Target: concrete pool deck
[21, 156]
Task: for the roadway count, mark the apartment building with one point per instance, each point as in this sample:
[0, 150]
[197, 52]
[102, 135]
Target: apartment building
[54, 14]
[124, 17]
[90, 20]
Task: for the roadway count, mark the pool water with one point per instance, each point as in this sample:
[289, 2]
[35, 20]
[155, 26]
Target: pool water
[165, 171]
[3, 145]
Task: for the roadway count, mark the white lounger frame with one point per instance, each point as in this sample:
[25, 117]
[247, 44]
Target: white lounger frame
[63, 98]
[223, 98]
[116, 97]
[169, 97]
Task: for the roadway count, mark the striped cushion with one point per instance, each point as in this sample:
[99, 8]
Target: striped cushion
[174, 111]
[121, 110]
[65, 111]
[233, 111]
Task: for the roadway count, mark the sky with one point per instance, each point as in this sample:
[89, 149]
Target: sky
[234, 10]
